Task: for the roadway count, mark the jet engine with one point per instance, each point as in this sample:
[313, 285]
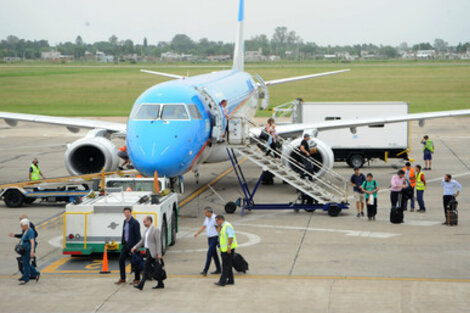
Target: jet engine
[323, 155]
[91, 154]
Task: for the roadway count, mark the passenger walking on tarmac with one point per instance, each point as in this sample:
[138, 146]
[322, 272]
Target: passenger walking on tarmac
[228, 243]
[31, 226]
[370, 188]
[397, 184]
[28, 243]
[212, 238]
[130, 237]
[305, 152]
[428, 151]
[357, 179]
[452, 189]
[153, 251]
[410, 177]
[34, 171]
[420, 187]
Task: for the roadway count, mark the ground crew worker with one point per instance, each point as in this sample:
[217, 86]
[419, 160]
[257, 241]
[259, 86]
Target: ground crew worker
[428, 150]
[34, 171]
[228, 243]
[420, 187]
[410, 176]
[122, 153]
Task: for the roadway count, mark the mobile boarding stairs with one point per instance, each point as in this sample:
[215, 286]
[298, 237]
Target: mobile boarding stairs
[328, 192]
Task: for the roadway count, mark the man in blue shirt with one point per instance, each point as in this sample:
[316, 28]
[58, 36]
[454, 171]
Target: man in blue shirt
[452, 188]
[130, 237]
[357, 179]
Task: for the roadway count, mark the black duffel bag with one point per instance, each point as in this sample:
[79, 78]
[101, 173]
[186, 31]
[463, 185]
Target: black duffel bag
[158, 270]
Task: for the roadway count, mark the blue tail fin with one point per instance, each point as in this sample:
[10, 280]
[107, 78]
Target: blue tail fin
[239, 51]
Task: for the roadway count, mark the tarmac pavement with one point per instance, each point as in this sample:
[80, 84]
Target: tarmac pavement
[301, 261]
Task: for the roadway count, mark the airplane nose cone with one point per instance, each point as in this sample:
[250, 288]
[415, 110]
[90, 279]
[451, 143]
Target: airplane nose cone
[156, 146]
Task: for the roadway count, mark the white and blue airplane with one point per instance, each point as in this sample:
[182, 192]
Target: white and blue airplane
[177, 125]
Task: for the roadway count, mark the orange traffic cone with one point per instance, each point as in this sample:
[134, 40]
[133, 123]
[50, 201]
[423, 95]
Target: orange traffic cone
[104, 268]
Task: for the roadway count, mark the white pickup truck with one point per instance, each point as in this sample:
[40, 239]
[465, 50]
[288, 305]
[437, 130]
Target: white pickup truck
[98, 219]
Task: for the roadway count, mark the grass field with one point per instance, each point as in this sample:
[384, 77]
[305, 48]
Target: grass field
[111, 90]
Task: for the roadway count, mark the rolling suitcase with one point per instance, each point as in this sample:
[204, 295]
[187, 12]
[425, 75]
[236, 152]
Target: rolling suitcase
[452, 214]
[239, 263]
[396, 213]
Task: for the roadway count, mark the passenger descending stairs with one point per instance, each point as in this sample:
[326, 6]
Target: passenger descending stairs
[330, 188]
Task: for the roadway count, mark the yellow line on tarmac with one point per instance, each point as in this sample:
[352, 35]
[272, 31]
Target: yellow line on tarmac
[70, 274]
[203, 188]
[55, 265]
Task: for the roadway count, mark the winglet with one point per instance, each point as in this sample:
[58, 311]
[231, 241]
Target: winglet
[239, 51]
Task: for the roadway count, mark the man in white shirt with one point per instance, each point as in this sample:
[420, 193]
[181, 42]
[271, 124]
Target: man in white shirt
[212, 238]
[452, 189]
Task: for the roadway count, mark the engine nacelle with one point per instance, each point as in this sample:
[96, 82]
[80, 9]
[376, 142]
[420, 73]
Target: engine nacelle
[324, 155]
[90, 155]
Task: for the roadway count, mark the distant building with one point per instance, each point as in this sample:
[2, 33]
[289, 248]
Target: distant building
[255, 56]
[329, 56]
[102, 57]
[150, 59]
[219, 58]
[51, 55]
[12, 59]
[274, 58]
[175, 57]
[88, 56]
[425, 54]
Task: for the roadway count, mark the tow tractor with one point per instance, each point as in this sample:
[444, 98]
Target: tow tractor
[60, 189]
[97, 221]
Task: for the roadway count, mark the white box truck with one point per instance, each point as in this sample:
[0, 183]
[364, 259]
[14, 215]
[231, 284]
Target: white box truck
[369, 142]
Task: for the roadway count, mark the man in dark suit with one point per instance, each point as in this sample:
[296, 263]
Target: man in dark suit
[130, 237]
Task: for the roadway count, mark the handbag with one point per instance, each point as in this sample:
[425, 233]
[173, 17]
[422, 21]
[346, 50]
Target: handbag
[159, 272]
[263, 135]
[20, 249]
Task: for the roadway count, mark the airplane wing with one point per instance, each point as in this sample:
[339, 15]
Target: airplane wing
[72, 124]
[297, 78]
[164, 74]
[299, 129]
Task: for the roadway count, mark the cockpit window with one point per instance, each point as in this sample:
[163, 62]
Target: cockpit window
[148, 112]
[174, 112]
[194, 111]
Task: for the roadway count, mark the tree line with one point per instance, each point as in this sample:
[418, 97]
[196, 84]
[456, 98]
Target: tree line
[284, 43]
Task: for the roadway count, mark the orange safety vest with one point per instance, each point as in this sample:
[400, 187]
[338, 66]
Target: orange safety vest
[123, 148]
[412, 176]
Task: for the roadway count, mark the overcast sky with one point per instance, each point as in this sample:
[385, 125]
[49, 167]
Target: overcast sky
[324, 22]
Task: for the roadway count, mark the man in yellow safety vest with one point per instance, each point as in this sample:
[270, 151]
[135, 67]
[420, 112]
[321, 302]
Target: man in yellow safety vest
[420, 187]
[228, 243]
[34, 171]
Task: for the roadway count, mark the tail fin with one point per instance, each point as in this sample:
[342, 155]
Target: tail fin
[239, 51]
